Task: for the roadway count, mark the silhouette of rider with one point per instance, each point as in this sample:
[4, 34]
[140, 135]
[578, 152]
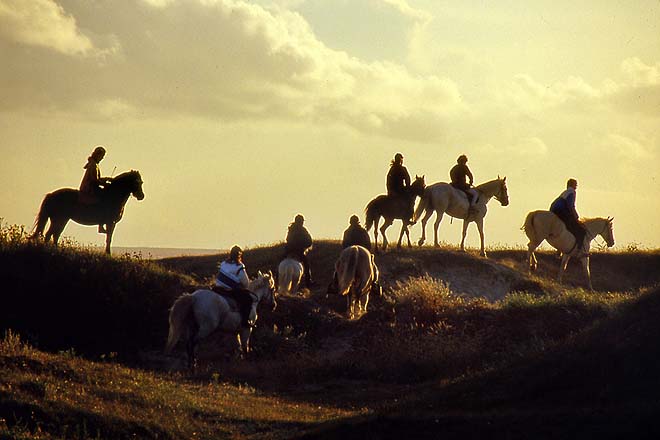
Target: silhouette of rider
[232, 281]
[459, 175]
[92, 183]
[355, 234]
[564, 208]
[398, 179]
[298, 244]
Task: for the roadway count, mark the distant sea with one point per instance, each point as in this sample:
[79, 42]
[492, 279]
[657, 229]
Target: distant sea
[155, 253]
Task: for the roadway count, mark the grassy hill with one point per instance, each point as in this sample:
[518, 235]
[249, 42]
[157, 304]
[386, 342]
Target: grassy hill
[457, 346]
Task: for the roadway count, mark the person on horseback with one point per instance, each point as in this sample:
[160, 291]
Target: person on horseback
[232, 281]
[92, 183]
[356, 234]
[398, 179]
[564, 208]
[298, 244]
[459, 175]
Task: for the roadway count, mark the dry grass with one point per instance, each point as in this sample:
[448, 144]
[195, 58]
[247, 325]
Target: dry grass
[439, 321]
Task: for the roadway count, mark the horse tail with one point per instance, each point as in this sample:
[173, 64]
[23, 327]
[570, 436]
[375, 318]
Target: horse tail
[371, 215]
[42, 217]
[347, 269]
[528, 226]
[421, 206]
[284, 277]
[180, 317]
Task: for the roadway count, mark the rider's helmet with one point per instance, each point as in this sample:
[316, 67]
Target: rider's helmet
[299, 219]
[355, 220]
[462, 159]
[398, 157]
[235, 253]
[98, 153]
[571, 183]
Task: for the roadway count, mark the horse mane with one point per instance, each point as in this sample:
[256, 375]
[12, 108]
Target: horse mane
[132, 174]
[260, 281]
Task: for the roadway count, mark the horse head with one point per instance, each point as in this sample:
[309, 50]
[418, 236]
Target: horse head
[131, 182]
[266, 281]
[608, 232]
[418, 186]
[502, 194]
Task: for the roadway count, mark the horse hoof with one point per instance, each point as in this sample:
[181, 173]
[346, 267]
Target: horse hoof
[420, 243]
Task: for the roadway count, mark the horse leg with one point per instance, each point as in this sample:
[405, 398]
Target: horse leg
[387, 224]
[408, 236]
[436, 226]
[562, 266]
[480, 228]
[404, 227]
[376, 234]
[585, 265]
[56, 229]
[244, 337]
[531, 258]
[110, 227]
[190, 349]
[465, 226]
[425, 219]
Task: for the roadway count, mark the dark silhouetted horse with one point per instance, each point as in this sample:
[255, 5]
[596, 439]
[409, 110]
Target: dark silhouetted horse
[392, 207]
[63, 205]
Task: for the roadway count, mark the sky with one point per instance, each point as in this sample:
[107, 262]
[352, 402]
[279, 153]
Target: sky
[241, 114]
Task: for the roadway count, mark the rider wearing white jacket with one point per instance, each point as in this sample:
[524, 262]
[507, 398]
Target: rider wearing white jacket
[232, 281]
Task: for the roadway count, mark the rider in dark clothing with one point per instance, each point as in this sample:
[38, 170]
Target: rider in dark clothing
[298, 243]
[355, 234]
[398, 179]
[459, 175]
[564, 208]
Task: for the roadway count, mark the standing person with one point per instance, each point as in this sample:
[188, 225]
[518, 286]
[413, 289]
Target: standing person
[459, 175]
[356, 234]
[298, 244]
[398, 179]
[564, 208]
[232, 281]
[92, 183]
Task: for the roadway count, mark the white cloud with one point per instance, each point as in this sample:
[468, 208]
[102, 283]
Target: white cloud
[407, 10]
[42, 23]
[232, 59]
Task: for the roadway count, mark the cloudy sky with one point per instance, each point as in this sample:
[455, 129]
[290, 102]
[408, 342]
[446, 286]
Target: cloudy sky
[240, 114]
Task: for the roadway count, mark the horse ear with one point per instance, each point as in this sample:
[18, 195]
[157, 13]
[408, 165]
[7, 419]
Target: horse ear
[504, 180]
[260, 274]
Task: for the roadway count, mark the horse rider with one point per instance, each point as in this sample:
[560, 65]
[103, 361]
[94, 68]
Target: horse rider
[356, 234]
[298, 244]
[232, 281]
[564, 208]
[459, 175]
[92, 183]
[398, 179]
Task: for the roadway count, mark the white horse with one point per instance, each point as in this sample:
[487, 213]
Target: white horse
[545, 225]
[443, 198]
[197, 315]
[289, 274]
[355, 272]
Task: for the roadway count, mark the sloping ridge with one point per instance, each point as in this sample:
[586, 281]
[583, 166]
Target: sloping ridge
[602, 384]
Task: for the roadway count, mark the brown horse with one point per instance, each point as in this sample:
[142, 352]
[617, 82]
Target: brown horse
[355, 272]
[63, 205]
[392, 207]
